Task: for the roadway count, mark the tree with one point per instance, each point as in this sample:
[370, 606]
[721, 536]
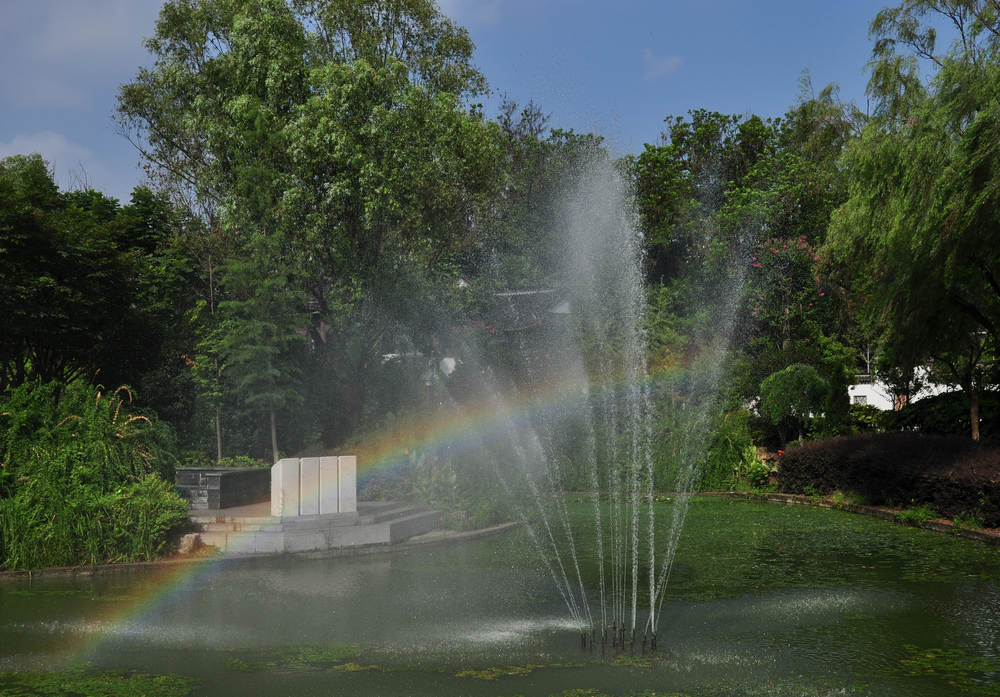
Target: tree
[682, 183]
[262, 329]
[922, 198]
[791, 396]
[86, 285]
[341, 127]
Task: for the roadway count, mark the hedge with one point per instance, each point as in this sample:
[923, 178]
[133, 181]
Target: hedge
[956, 476]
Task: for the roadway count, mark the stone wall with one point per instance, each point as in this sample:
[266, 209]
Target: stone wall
[211, 488]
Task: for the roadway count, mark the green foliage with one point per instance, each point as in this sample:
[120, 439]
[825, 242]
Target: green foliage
[867, 418]
[328, 145]
[261, 334]
[923, 194]
[685, 420]
[793, 396]
[84, 681]
[84, 283]
[842, 499]
[240, 461]
[433, 479]
[462, 488]
[732, 460]
[85, 480]
[967, 521]
[918, 515]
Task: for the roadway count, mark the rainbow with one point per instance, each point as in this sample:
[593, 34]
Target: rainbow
[390, 448]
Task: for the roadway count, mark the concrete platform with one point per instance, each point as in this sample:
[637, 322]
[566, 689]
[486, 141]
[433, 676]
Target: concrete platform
[251, 529]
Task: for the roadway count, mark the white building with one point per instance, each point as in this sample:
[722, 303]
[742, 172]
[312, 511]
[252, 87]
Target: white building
[870, 390]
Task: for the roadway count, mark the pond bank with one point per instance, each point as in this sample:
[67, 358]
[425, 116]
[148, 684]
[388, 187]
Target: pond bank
[206, 554]
[989, 536]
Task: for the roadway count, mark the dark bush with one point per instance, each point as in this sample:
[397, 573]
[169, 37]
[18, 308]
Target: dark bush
[954, 475]
[948, 415]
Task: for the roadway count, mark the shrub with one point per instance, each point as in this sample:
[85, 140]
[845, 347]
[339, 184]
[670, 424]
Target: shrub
[732, 461]
[954, 475]
[790, 397]
[85, 479]
[240, 461]
[918, 515]
[867, 418]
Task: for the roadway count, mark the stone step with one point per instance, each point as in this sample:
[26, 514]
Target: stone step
[381, 523]
[389, 513]
[275, 524]
[411, 525]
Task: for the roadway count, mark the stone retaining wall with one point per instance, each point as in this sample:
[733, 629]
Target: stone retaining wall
[212, 488]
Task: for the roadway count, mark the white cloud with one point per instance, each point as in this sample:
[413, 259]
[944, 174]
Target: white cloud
[75, 166]
[474, 12]
[658, 67]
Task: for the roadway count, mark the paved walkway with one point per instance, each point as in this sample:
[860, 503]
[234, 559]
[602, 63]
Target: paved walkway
[253, 510]
[260, 511]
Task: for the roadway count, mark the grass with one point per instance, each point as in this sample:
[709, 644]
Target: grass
[918, 516]
[83, 681]
[967, 521]
[842, 499]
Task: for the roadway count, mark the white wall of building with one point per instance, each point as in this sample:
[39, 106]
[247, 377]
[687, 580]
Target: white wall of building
[877, 394]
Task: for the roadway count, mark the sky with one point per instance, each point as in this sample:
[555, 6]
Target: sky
[612, 68]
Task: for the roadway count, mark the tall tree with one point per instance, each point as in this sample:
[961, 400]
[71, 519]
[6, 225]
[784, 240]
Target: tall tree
[80, 278]
[922, 207]
[340, 126]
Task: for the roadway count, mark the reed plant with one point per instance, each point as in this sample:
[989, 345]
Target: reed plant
[86, 480]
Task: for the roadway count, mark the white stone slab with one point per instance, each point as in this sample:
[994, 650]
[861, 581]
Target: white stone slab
[329, 485]
[285, 487]
[348, 465]
[309, 486]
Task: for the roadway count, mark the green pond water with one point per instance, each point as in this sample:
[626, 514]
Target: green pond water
[763, 600]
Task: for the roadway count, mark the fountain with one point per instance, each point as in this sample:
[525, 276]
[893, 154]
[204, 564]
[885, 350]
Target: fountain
[596, 368]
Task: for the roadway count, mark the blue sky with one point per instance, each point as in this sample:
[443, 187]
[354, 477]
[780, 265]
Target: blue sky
[614, 68]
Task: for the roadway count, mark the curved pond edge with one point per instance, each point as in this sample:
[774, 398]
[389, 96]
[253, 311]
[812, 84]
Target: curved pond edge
[990, 536]
[435, 537]
[438, 537]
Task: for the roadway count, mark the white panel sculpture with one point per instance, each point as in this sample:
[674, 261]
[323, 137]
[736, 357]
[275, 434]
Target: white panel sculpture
[314, 486]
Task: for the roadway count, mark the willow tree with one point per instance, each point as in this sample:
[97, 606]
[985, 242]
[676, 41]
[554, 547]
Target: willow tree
[345, 127]
[921, 221]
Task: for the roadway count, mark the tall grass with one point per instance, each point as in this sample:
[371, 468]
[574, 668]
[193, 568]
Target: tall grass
[84, 480]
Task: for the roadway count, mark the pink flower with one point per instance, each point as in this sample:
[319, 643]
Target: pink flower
[756, 264]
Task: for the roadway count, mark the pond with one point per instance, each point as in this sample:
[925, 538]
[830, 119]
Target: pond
[763, 600]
